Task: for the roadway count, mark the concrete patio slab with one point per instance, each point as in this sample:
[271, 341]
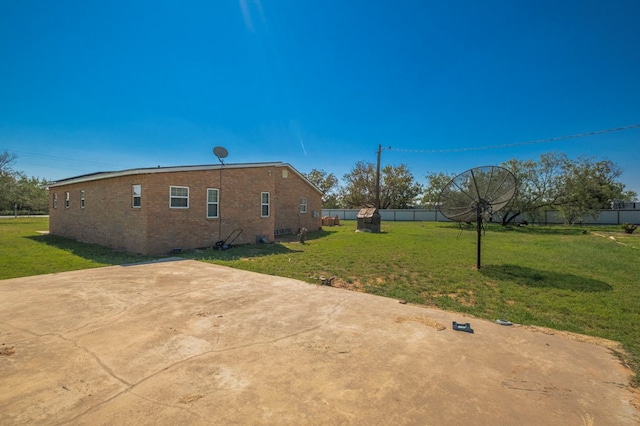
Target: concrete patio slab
[186, 342]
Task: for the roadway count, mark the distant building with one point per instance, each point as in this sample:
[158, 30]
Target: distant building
[159, 210]
[625, 205]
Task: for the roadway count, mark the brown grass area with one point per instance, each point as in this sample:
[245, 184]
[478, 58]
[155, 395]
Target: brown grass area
[354, 285]
[463, 297]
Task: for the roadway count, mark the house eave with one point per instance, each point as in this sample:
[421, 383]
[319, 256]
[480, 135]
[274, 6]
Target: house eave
[174, 169]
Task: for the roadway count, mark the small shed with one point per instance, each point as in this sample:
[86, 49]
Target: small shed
[368, 220]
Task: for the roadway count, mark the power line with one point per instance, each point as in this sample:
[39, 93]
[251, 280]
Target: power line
[54, 157]
[508, 145]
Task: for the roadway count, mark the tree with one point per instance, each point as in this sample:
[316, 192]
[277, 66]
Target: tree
[435, 184]
[360, 186]
[17, 191]
[577, 188]
[7, 180]
[6, 161]
[588, 186]
[539, 186]
[32, 194]
[398, 189]
[328, 184]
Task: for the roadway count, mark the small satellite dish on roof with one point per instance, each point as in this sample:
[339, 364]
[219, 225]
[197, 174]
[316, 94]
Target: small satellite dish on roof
[220, 152]
[476, 194]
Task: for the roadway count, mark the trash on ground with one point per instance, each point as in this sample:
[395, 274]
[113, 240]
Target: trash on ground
[466, 327]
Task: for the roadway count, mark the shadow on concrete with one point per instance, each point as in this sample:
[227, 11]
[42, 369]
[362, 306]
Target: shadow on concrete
[543, 279]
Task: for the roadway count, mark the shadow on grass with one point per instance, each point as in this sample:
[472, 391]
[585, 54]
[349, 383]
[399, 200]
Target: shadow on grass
[543, 279]
[541, 230]
[107, 256]
[530, 229]
[312, 235]
[238, 252]
[244, 251]
[91, 252]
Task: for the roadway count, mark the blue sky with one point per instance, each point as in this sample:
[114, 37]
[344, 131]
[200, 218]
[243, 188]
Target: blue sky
[91, 86]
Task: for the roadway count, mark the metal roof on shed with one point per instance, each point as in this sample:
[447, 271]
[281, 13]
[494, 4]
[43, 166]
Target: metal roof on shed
[367, 212]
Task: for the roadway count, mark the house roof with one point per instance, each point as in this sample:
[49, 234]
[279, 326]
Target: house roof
[149, 170]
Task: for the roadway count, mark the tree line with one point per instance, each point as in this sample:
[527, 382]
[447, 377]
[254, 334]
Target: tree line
[576, 188]
[19, 193]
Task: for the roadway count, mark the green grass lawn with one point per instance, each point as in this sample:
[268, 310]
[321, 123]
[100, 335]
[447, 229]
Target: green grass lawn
[578, 279]
[25, 251]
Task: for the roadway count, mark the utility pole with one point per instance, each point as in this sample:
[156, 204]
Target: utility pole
[378, 179]
[380, 149]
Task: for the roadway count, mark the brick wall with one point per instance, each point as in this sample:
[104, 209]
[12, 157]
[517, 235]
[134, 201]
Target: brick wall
[290, 188]
[106, 219]
[109, 218]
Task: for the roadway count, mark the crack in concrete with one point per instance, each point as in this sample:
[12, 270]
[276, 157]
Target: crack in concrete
[131, 386]
[166, 405]
[337, 304]
[124, 391]
[263, 342]
[232, 348]
[106, 368]
[35, 335]
[128, 305]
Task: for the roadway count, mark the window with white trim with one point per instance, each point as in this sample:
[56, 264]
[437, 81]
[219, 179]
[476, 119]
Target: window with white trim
[179, 197]
[213, 202]
[55, 200]
[82, 199]
[66, 200]
[136, 194]
[303, 204]
[265, 204]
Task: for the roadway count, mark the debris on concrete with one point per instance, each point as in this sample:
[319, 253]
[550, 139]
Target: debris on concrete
[466, 327]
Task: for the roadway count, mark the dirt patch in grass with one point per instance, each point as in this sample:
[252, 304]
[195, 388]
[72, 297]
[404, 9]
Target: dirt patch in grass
[630, 240]
[354, 285]
[463, 297]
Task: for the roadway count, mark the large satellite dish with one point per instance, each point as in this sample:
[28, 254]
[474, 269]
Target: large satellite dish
[473, 196]
[220, 152]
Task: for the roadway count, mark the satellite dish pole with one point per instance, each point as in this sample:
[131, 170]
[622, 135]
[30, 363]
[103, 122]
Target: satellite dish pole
[475, 195]
[479, 231]
[221, 153]
[378, 179]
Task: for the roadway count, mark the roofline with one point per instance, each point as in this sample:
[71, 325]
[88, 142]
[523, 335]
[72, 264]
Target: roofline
[172, 169]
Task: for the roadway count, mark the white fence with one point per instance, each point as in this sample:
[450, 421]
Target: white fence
[605, 217]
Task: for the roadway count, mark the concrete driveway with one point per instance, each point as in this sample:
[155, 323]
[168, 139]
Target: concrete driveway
[184, 342]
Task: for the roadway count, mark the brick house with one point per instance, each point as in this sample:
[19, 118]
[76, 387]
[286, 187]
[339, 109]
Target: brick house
[157, 210]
